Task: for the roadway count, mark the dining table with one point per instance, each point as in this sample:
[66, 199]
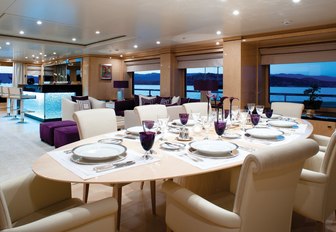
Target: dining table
[172, 157]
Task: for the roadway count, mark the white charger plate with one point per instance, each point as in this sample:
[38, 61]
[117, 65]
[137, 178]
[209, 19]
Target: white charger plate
[264, 133]
[190, 122]
[135, 130]
[99, 151]
[282, 123]
[213, 147]
[231, 135]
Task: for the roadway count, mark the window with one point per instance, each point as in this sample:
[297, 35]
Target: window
[6, 75]
[211, 73]
[146, 83]
[288, 81]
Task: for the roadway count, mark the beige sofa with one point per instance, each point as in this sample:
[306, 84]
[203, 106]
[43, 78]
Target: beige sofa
[131, 119]
[69, 107]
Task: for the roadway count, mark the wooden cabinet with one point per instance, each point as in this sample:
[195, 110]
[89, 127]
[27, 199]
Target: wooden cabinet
[323, 127]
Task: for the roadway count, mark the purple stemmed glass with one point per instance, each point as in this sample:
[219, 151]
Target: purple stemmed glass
[184, 118]
[148, 124]
[220, 128]
[147, 140]
[255, 119]
[268, 113]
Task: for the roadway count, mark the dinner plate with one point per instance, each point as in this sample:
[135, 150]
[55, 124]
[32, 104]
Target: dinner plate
[274, 116]
[135, 130]
[170, 146]
[227, 155]
[80, 160]
[282, 123]
[99, 151]
[231, 135]
[174, 130]
[264, 133]
[178, 122]
[213, 147]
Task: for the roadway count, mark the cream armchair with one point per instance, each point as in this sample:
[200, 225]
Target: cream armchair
[316, 191]
[33, 204]
[263, 202]
[197, 107]
[69, 107]
[322, 140]
[288, 109]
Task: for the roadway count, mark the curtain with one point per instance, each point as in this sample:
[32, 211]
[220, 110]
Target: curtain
[18, 74]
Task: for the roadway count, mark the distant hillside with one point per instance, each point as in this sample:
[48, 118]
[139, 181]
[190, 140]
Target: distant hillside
[5, 78]
[298, 80]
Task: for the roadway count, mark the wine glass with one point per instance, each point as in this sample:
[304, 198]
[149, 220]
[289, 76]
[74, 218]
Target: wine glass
[260, 109]
[243, 117]
[255, 119]
[269, 113]
[184, 118]
[235, 112]
[220, 128]
[250, 107]
[196, 117]
[206, 123]
[163, 124]
[147, 140]
[147, 124]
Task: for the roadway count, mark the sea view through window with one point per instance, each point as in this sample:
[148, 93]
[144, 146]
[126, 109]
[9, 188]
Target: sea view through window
[147, 83]
[288, 82]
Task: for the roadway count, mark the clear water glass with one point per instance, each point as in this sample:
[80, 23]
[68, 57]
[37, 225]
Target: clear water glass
[243, 118]
[207, 123]
[260, 109]
[163, 125]
[235, 113]
[250, 107]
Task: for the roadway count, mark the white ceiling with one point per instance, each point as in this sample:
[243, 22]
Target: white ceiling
[124, 23]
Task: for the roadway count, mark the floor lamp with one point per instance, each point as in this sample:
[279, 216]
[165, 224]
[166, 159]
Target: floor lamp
[120, 85]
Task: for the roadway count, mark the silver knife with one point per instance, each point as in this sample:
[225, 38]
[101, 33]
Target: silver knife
[106, 167]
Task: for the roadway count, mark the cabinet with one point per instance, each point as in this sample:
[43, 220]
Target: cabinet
[323, 127]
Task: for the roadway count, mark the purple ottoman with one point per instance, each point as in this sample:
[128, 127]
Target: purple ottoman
[47, 129]
[65, 135]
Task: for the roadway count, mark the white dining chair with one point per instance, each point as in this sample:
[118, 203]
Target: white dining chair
[30, 203]
[316, 191]
[287, 109]
[263, 201]
[197, 107]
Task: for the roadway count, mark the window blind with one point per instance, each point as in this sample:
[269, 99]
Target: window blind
[143, 65]
[198, 61]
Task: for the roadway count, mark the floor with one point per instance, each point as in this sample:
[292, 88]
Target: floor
[20, 145]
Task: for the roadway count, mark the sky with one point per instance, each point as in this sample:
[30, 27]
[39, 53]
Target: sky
[311, 69]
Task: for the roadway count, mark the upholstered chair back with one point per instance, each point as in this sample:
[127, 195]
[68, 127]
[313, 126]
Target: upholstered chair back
[151, 112]
[266, 187]
[197, 107]
[95, 122]
[288, 109]
[315, 195]
[34, 194]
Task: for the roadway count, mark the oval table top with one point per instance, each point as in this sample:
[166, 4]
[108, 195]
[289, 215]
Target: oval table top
[168, 166]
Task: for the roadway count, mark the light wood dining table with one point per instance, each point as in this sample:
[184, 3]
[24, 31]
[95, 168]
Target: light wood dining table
[167, 167]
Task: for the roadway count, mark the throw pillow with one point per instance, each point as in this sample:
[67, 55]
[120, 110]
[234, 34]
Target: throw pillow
[84, 104]
[185, 100]
[145, 101]
[165, 101]
[80, 98]
[147, 98]
[175, 100]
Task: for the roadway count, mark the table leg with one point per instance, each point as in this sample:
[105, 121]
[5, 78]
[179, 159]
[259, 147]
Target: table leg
[117, 191]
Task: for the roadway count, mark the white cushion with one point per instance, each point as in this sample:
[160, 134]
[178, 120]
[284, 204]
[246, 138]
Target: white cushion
[84, 104]
[175, 100]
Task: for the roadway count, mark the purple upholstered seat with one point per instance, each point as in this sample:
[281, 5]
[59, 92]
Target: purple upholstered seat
[47, 129]
[65, 135]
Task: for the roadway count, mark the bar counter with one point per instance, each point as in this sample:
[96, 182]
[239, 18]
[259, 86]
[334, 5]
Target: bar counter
[48, 103]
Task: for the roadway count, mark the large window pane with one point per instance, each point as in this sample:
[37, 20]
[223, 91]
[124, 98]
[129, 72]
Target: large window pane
[6, 75]
[288, 81]
[147, 83]
[210, 73]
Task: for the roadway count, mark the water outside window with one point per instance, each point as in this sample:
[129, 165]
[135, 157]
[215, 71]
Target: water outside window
[205, 73]
[288, 81]
[6, 75]
[147, 83]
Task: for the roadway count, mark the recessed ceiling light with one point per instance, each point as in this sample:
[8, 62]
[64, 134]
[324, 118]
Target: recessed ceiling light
[244, 40]
[45, 55]
[26, 57]
[33, 55]
[42, 60]
[7, 43]
[135, 46]
[217, 43]
[0, 47]
[41, 53]
[37, 57]
[296, 1]
[74, 39]
[97, 32]
[54, 53]
[121, 55]
[235, 12]
[39, 22]
[286, 22]
[21, 32]
[218, 32]
[158, 42]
